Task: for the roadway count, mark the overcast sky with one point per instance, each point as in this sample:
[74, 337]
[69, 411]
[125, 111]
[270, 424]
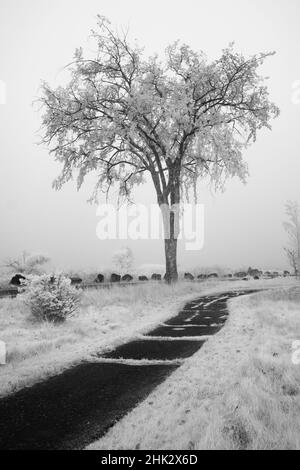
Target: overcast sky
[243, 226]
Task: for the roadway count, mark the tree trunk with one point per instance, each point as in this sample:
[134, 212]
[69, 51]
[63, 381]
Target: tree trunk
[171, 260]
[171, 232]
[168, 202]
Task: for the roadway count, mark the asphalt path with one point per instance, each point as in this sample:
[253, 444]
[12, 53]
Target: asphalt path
[78, 406]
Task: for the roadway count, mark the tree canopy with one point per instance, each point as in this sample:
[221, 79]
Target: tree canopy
[179, 118]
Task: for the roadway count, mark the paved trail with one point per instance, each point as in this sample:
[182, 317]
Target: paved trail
[72, 409]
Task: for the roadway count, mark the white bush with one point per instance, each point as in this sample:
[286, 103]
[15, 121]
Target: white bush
[51, 297]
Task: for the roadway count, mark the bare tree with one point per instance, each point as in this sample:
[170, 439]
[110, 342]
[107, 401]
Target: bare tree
[292, 227]
[292, 259]
[26, 263]
[180, 119]
[123, 259]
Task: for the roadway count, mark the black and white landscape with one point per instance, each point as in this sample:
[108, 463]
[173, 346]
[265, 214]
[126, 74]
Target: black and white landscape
[150, 226]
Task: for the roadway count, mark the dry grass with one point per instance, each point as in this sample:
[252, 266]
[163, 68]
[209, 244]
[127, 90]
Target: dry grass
[107, 318]
[240, 391]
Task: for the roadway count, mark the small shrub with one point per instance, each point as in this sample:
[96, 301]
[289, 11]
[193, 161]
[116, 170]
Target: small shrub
[51, 297]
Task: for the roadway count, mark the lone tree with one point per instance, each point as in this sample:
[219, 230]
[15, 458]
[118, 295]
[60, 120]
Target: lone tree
[180, 119]
[292, 227]
[27, 263]
[123, 259]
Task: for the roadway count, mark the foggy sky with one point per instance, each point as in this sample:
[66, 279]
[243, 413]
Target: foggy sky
[243, 225]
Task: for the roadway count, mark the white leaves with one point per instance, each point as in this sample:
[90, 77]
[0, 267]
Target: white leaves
[121, 106]
[51, 297]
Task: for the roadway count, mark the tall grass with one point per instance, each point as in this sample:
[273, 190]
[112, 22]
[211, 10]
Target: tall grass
[240, 391]
[106, 318]
[262, 409]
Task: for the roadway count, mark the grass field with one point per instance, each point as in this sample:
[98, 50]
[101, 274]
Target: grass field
[106, 318]
[240, 391]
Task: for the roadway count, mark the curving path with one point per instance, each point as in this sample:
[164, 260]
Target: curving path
[73, 409]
